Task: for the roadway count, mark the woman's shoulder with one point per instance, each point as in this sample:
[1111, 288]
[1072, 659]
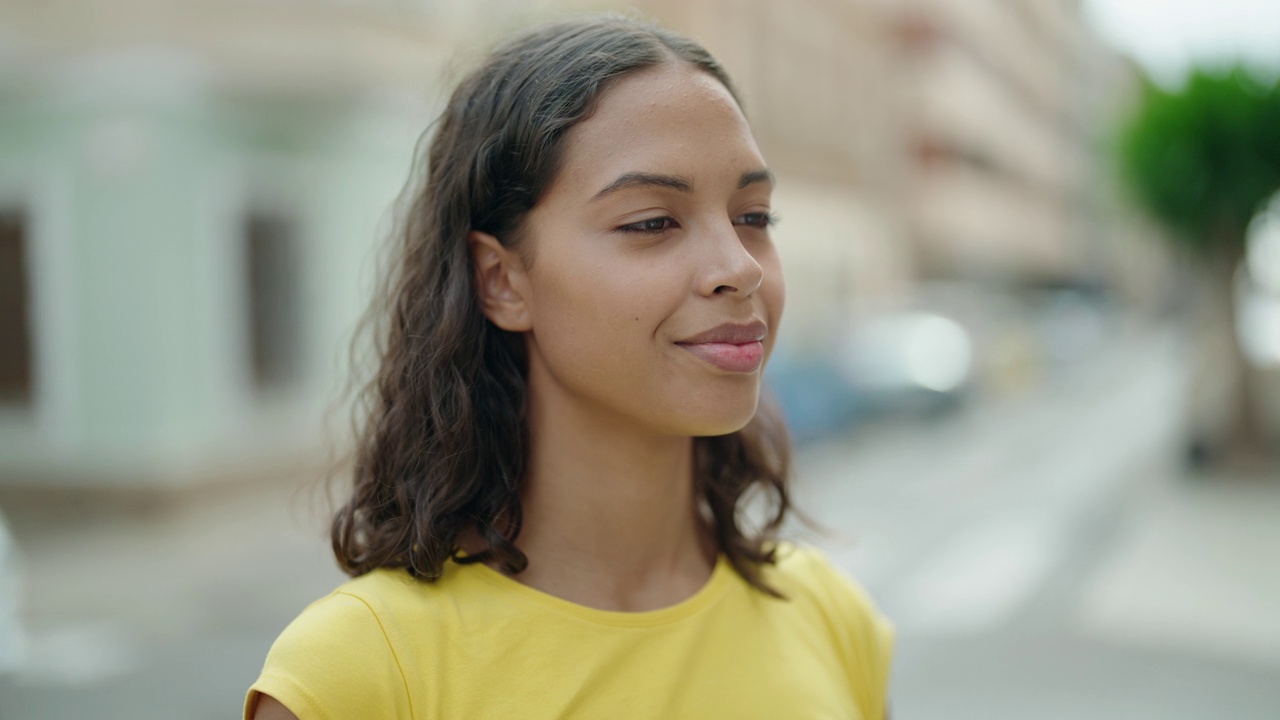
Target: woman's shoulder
[385, 599]
[385, 589]
[335, 659]
[825, 593]
[352, 615]
[804, 574]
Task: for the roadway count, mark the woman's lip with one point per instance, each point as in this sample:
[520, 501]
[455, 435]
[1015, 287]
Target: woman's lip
[731, 357]
[732, 333]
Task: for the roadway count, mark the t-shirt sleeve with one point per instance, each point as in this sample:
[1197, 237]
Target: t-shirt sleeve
[333, 661]
[868, 638]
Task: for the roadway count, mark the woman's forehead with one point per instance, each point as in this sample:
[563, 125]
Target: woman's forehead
[672, 119]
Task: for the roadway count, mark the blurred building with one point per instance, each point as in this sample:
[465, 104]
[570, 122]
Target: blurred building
[189, 194]
[975, 129]
[950, 157]
[997, 136]
[1010, 107]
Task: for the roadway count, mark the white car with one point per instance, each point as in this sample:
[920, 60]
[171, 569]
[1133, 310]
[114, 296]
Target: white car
[1259, 325]
[1258, 303]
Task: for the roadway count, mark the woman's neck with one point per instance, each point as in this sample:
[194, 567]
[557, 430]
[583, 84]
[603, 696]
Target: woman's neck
[610, 515]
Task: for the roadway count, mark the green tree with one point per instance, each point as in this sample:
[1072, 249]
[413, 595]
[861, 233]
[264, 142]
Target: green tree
[1203, 160]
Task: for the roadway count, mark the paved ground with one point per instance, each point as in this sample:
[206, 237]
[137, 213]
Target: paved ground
[1044, 558]
[1040, 555]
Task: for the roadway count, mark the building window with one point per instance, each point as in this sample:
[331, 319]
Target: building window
[274, 287]
[15, 306]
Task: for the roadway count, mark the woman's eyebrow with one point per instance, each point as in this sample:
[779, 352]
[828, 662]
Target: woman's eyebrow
[643, 179]
[755, 176]
[675, 182]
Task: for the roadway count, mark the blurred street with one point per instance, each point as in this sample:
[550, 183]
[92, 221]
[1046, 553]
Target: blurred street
[1041, 555]
[1046, 557]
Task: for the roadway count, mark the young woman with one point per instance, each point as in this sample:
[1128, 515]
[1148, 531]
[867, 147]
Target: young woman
[547, 519]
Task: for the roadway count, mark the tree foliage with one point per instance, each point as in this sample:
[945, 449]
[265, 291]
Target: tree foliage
[1204, 158]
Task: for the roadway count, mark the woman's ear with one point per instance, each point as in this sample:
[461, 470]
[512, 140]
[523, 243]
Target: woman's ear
[501, 282]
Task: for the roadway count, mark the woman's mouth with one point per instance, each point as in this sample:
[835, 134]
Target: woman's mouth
[730, 347]
[731, 357]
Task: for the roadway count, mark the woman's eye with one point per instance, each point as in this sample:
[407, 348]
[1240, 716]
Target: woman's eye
[652, 225]
[756, 219]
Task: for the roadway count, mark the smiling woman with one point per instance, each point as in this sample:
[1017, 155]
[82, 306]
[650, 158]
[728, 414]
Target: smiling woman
[545, 518]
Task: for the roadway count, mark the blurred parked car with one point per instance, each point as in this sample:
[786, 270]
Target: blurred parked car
[912, 361]
[899, 364]
[954, 341]
[815, 398]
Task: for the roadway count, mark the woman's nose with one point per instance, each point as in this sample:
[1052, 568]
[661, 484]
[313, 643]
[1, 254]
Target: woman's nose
[729, 267]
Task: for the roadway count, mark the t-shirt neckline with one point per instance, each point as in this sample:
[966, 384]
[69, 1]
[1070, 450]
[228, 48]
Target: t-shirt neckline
[702, 598]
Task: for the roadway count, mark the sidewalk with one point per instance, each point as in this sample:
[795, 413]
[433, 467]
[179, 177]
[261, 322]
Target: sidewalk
[1196, 568]
[165, 611]
[1044, 557]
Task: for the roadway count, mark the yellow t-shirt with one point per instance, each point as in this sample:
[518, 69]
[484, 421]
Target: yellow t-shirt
[478, 644]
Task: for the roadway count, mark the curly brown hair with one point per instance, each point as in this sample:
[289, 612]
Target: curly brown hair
[442, 438]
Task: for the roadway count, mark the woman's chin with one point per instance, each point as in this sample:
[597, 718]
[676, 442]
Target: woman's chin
[724, 422]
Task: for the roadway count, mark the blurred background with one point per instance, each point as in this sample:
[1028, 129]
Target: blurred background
[1031, 354]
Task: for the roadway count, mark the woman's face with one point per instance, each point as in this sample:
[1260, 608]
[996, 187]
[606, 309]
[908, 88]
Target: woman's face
[655, 291]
